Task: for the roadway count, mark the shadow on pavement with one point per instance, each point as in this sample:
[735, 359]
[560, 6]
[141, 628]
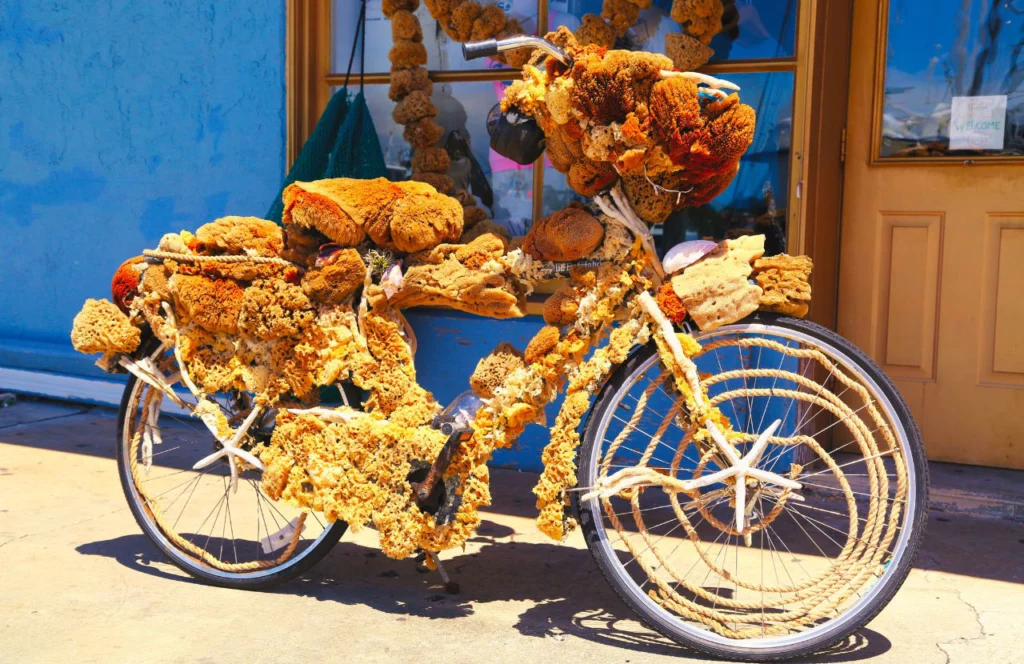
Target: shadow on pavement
[567, 593]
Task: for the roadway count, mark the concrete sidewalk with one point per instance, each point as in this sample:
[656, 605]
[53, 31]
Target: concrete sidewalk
[79, 582]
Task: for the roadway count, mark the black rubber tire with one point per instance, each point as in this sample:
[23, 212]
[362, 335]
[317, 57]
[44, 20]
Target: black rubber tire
[197, 570]
[892, 584]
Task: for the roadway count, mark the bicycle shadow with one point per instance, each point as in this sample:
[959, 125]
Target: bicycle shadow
[567, 595]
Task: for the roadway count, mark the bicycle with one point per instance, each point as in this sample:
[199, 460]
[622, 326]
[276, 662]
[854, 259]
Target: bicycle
[757, 489]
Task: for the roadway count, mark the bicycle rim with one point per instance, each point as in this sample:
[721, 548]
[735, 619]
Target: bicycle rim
[801, 544]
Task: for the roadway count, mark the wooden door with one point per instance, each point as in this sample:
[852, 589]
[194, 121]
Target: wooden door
[931, 278]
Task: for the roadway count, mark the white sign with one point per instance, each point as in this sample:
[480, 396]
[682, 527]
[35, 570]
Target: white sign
[977, 123]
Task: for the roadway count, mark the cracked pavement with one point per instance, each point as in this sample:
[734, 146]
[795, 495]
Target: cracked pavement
[78, 581]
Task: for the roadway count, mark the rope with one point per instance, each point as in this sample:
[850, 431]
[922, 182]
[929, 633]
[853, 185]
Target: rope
[193, 258]
[153, 506]
[784, 607]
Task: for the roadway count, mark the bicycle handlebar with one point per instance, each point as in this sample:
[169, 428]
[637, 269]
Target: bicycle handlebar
[491, 47]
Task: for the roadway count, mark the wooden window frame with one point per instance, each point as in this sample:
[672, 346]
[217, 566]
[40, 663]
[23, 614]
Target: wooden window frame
[878, 110]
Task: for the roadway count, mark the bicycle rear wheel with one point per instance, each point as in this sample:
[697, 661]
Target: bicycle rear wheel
[237, 539]
[810, 565]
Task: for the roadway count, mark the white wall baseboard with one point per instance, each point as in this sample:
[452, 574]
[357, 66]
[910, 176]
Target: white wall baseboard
[56, 386]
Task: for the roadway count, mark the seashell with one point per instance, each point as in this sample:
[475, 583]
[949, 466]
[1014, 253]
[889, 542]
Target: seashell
[393, 280]
[685, 254]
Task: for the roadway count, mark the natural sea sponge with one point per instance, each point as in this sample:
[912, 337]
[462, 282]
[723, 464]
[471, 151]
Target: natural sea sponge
[272, 309]
[402, 216]
[301, 244]
[390, 7]
[212, 304]
[405, 26]
[100, 327]
[471, 216]
[484, 227]
[125, 284]
[562, 306]
[651, 205]
[432, 160]
[593, 30]
[423, 133]
[670, 304]
[335, 208]
[404, 81]
[785, 282]
[567, 235]
[420, 218]
[700, 18]
[687, 53]
[492, 370]
[620, 14]
[463, 277]
[715, 290]
[439, 181]
[406, 54]
[240, 235]
[589, 178]
[463, 18]
[490, 22]
[542, 342]
[415, 106]
[335, 281]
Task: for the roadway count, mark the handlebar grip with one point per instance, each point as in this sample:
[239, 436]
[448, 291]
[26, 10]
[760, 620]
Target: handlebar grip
[480, 49]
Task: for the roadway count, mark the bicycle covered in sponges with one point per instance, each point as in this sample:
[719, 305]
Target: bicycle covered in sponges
[750, 483]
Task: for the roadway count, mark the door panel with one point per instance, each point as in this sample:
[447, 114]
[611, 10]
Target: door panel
[931, 280]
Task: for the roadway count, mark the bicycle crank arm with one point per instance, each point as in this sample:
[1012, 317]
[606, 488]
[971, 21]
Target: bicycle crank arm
[424, 489]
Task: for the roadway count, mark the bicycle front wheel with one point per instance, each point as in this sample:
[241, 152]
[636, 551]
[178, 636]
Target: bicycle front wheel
[789, 570]
[226, 533]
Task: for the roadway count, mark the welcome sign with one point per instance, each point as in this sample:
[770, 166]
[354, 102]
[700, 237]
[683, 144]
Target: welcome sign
[977, 123]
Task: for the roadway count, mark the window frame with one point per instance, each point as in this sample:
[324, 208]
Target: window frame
[878, 111]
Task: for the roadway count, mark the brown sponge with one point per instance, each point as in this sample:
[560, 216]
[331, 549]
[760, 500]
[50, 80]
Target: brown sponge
[423, 133]
[415, 106]
[542, 342]
[407, 53]
[567, 235]
[785, 281]
[490, 22]
[560, 309]
[432, 160]
[593, 30]
[439, 181]
[404, 81]
[391, 7]
[687, 53]
[334, 282]
[405, 26]
[212, 304]
[100, 327]
[240, 235]
[492, 370]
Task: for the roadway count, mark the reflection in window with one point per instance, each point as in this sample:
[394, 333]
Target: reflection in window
[443, 54]
[751, 28]
[756, 200]
[940, 57]
[502, 186]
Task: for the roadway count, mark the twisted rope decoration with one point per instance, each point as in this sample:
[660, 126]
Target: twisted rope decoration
[784, 607]
[193, 258]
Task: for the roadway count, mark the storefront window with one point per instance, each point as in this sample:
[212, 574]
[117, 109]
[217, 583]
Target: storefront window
[752, 29]
[506, 188]
[443, 54]
[953, 79]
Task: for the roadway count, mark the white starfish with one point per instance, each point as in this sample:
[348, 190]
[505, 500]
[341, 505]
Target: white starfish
[230, 449]
[742, 468]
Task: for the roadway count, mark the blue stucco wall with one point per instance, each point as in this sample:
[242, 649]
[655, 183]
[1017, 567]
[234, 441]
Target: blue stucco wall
[121, 121]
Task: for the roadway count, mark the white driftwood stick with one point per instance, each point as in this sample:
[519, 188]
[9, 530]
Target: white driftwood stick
[668, 332]
[717, 83]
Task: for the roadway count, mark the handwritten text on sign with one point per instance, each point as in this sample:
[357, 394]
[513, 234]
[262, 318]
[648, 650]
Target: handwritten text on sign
[977, 123]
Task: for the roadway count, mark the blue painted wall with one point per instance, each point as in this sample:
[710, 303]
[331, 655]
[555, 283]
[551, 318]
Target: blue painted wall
[121, 121]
